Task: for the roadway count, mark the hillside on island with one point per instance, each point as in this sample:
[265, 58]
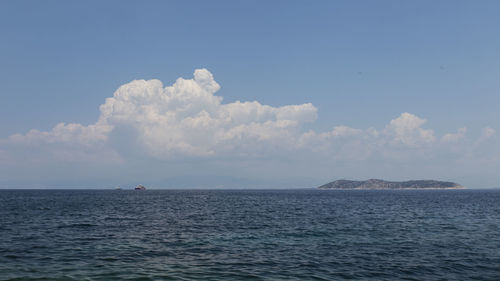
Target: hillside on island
[382, 184]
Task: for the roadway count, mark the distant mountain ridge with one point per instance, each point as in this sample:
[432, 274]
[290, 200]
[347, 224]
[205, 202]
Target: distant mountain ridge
[382, 184]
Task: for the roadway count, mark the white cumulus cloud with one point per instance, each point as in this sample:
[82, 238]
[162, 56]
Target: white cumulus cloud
[187, 118]
[454, 137]
[66, 133]
[407, 130]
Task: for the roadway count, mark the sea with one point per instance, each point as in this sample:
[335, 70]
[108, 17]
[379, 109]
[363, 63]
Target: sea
[303, 234]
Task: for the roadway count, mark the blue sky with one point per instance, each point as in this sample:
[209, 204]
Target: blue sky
[360, 64]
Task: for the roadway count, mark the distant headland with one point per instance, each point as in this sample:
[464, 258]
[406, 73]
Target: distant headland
[382, 184]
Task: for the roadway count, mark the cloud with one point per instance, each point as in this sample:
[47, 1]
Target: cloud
[187, 118]
[454, 137]
[66, 133]
[145, 119]
[146, 130]
[407, 130]
[342, 131]
[184, 119]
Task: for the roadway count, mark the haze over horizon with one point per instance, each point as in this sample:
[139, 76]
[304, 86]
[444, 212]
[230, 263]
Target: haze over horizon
[275, 95]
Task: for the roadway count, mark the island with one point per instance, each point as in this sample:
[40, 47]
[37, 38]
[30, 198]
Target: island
[382, 184]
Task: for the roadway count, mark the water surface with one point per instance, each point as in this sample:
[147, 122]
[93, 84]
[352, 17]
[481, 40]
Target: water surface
[250, 235]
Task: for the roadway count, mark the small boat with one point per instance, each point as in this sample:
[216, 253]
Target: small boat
[140, 187]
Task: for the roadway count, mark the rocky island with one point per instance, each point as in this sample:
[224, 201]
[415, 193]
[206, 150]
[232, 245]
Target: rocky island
[382, 184]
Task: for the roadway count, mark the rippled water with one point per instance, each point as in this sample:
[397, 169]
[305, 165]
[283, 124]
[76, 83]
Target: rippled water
[234, 235]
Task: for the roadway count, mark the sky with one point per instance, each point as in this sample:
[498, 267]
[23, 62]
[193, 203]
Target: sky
[248, 94]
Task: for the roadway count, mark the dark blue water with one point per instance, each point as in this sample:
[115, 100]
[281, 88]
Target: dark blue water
[235, 235]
